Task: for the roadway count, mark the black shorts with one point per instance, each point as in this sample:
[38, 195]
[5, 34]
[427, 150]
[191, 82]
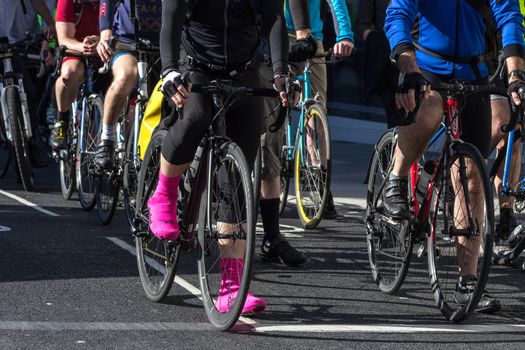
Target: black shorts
[475, 114]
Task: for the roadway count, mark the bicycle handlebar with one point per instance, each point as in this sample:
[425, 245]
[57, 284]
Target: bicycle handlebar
[119, 44]
[462, 88]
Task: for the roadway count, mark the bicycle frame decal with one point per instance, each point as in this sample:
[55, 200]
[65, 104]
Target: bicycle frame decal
[508, 160]
[452, 118]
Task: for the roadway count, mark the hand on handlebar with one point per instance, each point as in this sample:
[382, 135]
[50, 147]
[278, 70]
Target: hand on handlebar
[103, 48]
[89, 45]
[343, 48]
[516, 91]
[303, 49]
[288, 90]
[409, 85]
[176, 87]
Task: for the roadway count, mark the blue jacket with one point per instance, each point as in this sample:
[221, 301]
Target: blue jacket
[452, 28]
[343, 26]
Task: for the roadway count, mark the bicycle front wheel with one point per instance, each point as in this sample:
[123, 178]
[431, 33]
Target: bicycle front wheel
[157, 259]
[226, 236]
[67, 164]
[129, 181]
[461, 237]
[312, 169]
[389, 242]
[19, 142]
[86, 182]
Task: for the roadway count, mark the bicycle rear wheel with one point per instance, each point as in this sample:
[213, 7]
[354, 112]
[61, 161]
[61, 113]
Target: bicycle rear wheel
[86, 182]
[460, 243]
[157, 259]
[107, 195]
[389, 242]
[19, 142]
[67, 164]
[312, 169]
[256, 180]
[129, 182]
[286, 173]
[226, 236]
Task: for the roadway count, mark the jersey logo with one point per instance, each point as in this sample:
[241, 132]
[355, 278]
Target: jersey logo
[103, 11]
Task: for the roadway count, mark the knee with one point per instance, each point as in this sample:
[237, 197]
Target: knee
[431, 112]
[124, 82]
[72, 75]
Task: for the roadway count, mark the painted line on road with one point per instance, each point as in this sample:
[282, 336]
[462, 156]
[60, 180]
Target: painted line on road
[382, 328]
[178, 280]
[28, 203]
[103, 326]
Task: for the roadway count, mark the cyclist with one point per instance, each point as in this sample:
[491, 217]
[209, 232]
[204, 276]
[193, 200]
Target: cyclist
[445, 44]
[300, 36]
[77, 28]
[17, 20]
[501, 116]
[117, 19]
[215, 47]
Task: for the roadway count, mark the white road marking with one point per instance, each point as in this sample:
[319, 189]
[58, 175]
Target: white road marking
[5, 229]
[287, 231]
[28, 203]
[372, 328]
[178, 280]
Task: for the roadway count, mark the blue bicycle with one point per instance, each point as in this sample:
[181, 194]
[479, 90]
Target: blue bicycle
[307, 157]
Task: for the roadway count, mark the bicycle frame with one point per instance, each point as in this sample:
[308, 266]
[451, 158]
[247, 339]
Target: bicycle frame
[452, 129]
[87, 90]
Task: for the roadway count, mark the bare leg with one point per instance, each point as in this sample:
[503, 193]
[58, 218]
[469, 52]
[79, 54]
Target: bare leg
[66, 86]
[413, 139]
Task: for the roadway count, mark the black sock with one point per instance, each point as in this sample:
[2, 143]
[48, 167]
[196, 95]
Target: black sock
[63, 117]
[270, 218]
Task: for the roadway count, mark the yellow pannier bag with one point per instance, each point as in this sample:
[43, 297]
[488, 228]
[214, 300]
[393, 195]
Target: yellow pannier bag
[152, 117]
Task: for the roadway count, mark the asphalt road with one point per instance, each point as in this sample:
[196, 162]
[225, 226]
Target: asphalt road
[67, 282]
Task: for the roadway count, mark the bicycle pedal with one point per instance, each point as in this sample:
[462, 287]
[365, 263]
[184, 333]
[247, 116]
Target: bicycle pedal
[270, 259]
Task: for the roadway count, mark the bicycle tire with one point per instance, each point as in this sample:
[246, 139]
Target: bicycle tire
[442, 245]
[106, 194]
[312, 183]
[19, 142]
[256, 180]
[211, 256]
[382, 237]
[285, 175]
[67, 165]
[86, 182]
[129, 182]
[6, 161]
[157, 259]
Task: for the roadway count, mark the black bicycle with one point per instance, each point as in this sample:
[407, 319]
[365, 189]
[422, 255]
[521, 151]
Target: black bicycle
[219, 179]
[15, 124]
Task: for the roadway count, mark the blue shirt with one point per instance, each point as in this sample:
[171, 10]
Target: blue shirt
[343, 26]
[452, 28]
[115, 15]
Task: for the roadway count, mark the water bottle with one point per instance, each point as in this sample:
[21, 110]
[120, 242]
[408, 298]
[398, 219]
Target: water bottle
[143, 89]
[424, 180]
[192, 171]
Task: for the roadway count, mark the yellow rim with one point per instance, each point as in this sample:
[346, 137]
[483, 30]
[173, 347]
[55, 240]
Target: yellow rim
[297, 172]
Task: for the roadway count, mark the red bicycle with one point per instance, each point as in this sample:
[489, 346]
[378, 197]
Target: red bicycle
[451, 214]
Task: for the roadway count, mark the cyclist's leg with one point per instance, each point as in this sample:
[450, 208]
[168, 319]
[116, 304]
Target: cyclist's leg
[125, 75]
[272, 143]
[500, 117]
[178, 149]
[476, 129]
[66, 88]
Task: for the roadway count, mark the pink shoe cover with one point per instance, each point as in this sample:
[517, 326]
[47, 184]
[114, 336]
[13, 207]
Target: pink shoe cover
[162, 207]
[231, 271]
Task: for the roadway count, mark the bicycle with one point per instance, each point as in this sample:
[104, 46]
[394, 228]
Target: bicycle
[77, 167]
[15, 126]
[127, 152]
[442, 216]
[510, 245]
[200, 194]
[307, 157]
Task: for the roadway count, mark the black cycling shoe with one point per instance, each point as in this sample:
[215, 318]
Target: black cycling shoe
[507, 223]
[279, 249]
[464, 289]
[330, 212]
[104, 155]
[58, 138]
[395, 199]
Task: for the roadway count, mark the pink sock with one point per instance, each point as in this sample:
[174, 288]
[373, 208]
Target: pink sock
[169, 185]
